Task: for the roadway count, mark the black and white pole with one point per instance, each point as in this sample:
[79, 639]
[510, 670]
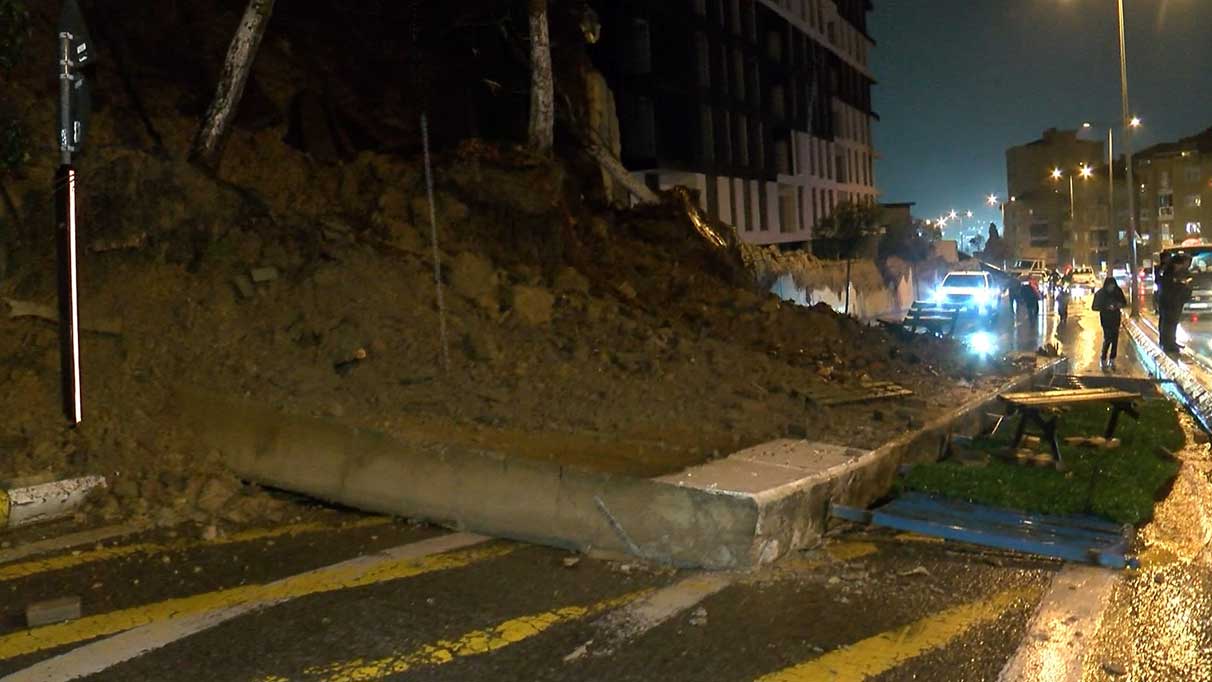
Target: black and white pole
[75, 51]
[65, 219]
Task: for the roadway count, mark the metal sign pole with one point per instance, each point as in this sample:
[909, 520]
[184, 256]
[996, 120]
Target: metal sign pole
[75, 52]
[65, 219]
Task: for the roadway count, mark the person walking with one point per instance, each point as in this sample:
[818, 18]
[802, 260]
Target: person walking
[1109, 301]
[1063, 294]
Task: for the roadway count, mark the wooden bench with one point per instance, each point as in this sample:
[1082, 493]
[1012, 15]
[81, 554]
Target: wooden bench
[936, 318]
[1032, 406]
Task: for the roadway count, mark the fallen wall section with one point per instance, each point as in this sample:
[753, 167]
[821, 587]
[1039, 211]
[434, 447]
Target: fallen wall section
[740, 511]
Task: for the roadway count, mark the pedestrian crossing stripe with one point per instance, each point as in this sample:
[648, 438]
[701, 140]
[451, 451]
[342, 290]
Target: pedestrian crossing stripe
[473, 643]
[868, 658]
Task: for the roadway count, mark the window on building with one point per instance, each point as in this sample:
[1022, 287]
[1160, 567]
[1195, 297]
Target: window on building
[754, 83]
[1193, 201]
[1165, 233]
[738, 75]
[782, 156]
[774, 46]
[749, 19]
[639, 48]
[740, 137]
[1191, 173]
[702, 51]
[723, 138]
[757, 143]
[1163, 178]
[1165, 205]
[642, 140]
[816, 207]
[707, 134]
[1193, 228]
[840, 167]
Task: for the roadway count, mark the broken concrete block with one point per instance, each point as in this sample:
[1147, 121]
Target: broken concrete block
[244, 286]
[266, 274]
[52, 611]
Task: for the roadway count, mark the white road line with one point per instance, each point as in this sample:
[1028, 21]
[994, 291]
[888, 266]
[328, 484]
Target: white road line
[1063, 627]
[106, 653]
[55, 544]
[642, 615]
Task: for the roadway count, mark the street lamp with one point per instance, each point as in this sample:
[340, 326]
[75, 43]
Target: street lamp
[1129, 124]
[1133, 123]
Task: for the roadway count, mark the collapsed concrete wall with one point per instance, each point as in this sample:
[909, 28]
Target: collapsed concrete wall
[871, 296]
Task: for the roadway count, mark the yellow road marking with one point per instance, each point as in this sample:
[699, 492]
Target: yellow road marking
[847, 551]
[339, 577]
[473, 643]
[867, 658]
[73, 559]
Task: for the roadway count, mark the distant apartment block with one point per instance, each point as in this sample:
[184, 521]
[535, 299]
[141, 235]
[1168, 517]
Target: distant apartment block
[762, 106]
[1038, 216]
[1174, 185]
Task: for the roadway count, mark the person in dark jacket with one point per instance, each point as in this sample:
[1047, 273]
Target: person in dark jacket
[1109, 301]
[1174, 294]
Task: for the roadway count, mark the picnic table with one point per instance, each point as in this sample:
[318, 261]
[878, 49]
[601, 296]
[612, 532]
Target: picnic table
[1043, 410]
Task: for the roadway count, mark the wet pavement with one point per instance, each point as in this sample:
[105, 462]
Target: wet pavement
[343, 596]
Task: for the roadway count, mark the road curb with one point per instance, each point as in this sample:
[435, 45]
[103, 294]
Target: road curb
[662, 520]
[1190, 389]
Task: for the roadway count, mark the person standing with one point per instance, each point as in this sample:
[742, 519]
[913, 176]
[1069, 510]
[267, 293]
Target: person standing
[1175, 291]
[1109, 301]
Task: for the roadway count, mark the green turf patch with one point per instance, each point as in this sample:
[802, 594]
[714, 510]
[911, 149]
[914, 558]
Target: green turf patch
[1129, 477]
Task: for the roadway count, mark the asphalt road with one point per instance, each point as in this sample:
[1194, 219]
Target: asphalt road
[865, 606]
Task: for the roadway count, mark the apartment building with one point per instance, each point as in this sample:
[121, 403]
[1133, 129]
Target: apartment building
[1041, 216]
[1174, 183]
[761, 106]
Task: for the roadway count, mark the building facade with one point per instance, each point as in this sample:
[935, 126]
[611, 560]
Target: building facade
[762, 106]
[1174, 200]
[1043, 218]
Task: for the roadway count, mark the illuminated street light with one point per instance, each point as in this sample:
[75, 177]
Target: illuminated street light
[969, 214]
[1057, 174]
[1086, 171]
[1135, 122]
[952, 214]
[992, 200]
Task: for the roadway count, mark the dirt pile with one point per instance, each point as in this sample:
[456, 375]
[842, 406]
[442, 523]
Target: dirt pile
[628, 341]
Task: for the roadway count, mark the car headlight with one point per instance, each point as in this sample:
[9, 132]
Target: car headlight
[938, 296]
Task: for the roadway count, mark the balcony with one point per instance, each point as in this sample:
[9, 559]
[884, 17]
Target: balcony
[1165, 213]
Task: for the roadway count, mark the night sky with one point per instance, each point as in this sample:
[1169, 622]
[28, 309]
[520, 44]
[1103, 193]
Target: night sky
[962, 80]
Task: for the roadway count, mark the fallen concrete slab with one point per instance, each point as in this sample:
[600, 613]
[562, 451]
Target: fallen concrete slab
[740, 511]
[27, 504]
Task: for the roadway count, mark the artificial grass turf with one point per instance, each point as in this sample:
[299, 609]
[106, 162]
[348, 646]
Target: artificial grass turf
[1129, 477]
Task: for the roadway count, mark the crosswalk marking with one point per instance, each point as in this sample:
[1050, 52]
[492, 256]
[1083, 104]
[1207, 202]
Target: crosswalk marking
[154, 625]
[472, 643]
[870, 657]
[65, 561]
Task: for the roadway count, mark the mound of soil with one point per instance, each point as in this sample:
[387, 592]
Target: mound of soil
[622, 340]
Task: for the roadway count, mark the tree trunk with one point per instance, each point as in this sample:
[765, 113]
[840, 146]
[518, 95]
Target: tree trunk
[847, 310]
[207, 149]
[611, 164]
[542, 108]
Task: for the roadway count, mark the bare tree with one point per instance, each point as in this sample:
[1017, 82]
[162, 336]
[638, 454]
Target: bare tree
[542, 87]
[207, 148]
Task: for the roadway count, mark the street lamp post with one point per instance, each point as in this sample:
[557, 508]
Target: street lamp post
[1128, 124]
